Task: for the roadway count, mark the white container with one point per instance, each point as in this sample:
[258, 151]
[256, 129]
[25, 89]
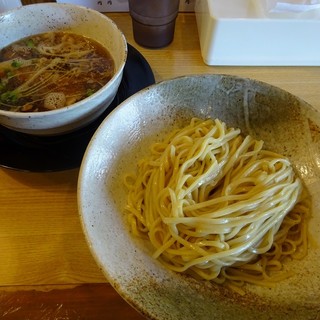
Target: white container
[259, 32]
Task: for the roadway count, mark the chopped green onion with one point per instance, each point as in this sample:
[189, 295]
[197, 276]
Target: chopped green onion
[9, 73]
[90, 92]
[16, 64]
[9, 96]
[30, 43]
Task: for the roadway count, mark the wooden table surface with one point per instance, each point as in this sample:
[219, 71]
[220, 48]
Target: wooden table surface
[46, 269]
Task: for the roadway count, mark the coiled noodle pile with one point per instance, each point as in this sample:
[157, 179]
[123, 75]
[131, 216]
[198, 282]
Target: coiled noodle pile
[217, 206]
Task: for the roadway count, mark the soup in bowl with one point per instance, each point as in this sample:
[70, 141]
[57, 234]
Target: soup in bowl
[58, 72]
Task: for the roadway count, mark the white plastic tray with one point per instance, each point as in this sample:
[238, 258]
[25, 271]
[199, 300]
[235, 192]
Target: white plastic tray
[259, 32]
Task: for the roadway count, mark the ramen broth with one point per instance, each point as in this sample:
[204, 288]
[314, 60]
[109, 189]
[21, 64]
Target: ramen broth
[51, 70]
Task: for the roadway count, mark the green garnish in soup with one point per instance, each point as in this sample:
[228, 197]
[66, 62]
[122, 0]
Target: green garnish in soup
[51, 70]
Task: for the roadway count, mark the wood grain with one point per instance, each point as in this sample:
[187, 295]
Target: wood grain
[98, 301]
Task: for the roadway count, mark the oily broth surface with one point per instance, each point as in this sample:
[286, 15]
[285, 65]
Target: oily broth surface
[52, 70]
